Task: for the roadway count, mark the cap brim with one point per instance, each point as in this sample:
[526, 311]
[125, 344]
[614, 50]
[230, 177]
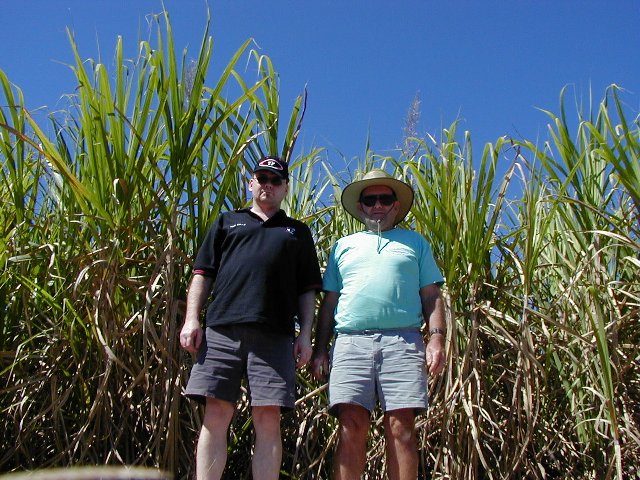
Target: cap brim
[280, 173]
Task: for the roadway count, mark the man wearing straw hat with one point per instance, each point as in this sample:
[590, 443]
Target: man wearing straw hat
[380, 286]
[263, 270]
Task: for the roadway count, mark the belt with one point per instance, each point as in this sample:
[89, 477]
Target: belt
[378, 330]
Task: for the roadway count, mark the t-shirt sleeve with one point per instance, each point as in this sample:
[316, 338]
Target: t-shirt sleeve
[208, 258]
[331, 281]
[429, 271]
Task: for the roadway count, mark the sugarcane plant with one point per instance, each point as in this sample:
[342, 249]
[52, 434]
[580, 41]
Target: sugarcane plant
[106, 201]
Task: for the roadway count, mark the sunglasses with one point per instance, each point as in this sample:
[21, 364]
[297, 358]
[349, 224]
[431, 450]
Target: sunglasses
[385, 199]
[264, 179]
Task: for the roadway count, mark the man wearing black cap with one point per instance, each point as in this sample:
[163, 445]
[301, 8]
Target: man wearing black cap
[380, 286]
[264, 272]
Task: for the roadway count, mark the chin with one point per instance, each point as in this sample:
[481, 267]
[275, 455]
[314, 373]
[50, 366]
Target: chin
[373, 224]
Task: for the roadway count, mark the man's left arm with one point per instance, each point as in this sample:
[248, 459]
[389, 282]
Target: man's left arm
[302, 349]
[433, 312]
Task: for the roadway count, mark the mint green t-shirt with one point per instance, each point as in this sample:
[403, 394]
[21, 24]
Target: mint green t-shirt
[378, 277]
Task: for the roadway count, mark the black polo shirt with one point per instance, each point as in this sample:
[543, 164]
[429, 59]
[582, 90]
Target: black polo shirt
[259, 269]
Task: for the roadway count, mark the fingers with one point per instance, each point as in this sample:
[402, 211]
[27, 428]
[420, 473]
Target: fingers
[435, 362]
[188, 344]
[302, 353]
[319, 368]
[190, 340]
[302, 358]
[321, 372]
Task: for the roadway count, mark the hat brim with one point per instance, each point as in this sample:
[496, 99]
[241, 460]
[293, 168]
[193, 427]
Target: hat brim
[351, 196]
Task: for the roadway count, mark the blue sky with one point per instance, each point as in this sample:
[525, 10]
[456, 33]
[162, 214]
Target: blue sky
[489, 63]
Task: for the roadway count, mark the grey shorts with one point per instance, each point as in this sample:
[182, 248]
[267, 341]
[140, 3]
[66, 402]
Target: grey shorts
[232, 353]
[388, 366]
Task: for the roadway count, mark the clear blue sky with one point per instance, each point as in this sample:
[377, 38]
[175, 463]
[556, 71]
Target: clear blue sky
[490, 63]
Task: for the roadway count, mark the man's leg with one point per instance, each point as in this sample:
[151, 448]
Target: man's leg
[211, 456]
[400, 437]
[351, 453]
[267, 455]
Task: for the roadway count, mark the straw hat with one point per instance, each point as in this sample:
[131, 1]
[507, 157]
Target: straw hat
[351, 193]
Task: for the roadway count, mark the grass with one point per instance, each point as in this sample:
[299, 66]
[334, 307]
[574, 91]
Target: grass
[102, 218]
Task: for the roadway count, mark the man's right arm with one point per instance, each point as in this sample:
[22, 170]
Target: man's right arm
[191, 333]
[324, 332]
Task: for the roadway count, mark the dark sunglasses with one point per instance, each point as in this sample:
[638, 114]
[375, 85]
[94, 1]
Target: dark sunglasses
[385, 199]
[264, 179]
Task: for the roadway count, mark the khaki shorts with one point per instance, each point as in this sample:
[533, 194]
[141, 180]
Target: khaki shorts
[386, 366]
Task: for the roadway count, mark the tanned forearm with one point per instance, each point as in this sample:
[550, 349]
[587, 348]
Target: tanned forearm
[324, 333]
[433, 307]
[199, 290]
[306, 311]
[324, 329]
[191, 333]
[302, 349]
[433, 312]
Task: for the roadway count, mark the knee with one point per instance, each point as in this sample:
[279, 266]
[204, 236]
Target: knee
[217, 414]
[354, 422]
[266, 419]
[401, 427]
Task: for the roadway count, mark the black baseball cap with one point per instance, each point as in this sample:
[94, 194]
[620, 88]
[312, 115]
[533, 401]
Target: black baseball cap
[273, 165]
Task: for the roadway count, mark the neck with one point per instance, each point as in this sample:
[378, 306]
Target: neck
[263, 211]
[374, 226]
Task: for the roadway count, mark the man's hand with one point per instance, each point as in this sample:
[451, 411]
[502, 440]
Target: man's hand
[302, 350]
[191, 336]
[320, 364]
[435, 355]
